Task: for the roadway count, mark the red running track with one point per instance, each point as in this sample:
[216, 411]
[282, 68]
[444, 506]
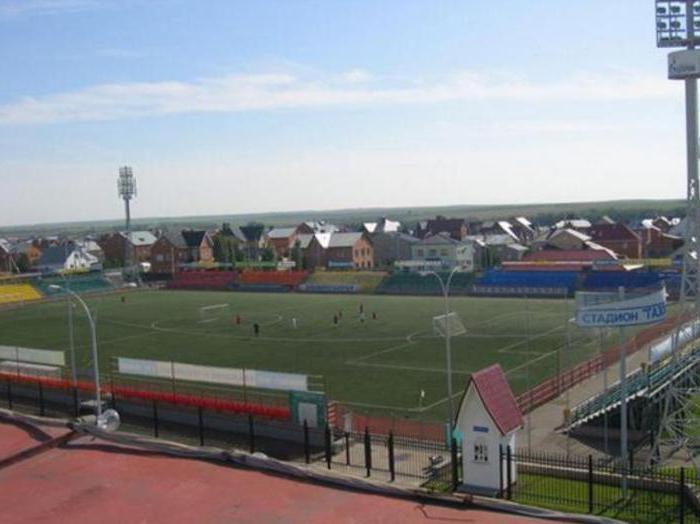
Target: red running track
[87, 481]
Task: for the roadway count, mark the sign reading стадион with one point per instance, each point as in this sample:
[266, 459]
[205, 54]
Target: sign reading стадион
[608, 310]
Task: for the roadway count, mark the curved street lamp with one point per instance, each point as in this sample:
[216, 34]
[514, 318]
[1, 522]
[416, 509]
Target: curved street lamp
[98, 398]
[445, 286]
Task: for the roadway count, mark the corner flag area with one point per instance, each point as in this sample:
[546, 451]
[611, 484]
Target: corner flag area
[45, 477]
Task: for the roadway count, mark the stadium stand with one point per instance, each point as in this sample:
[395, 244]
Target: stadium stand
[364, 281]
[638, 383]
[283, 278]
[519, 282]
[417, 284]
[14, 293]
[214, 280]
[78, 284]
[612, 280]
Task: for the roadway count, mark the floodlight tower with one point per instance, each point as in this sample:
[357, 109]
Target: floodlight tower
[678, 25]
[126, 187]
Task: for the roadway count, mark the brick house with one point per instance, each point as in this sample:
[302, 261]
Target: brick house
[200, 245]
[114, 246]
[281, 240]
[168, 252]
[658, 244]
[391, 247]
[350, 250]
[620, 238]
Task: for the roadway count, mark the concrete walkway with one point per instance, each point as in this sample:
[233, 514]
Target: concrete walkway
[540, 431]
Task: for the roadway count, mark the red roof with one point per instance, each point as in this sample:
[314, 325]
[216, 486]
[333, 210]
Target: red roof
[568, 255]
[498, 399]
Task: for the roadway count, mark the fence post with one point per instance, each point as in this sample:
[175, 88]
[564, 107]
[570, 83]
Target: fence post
[9, 394]
[347, 448]
[681, 497]
[392, 465]
[631, 467]
[500, 470]
[368, 452]
[307, 453]
[455, 469]
[41, 399]
[200, 420]
[509, 458]
[76, 404]
[590, 483]
[327, 443]
[251, 432]
[155, 419]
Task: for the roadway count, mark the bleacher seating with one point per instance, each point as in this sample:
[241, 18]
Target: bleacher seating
[214, 280]
[402, 283]
[77, 284]
[523, 280]
[17, 293]
[289, 279]
[640, 380]
[599, 280]
[363, 281]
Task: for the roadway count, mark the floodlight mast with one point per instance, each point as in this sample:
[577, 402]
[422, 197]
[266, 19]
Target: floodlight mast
[678, 25]
[126, 187]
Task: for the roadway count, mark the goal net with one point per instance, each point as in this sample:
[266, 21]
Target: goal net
[450, 323]
[212, 312]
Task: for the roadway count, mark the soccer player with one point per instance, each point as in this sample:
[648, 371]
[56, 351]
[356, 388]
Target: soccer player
[294, 322]
[256, 329]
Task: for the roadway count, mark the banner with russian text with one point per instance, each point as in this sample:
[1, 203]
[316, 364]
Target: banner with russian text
[608, 310]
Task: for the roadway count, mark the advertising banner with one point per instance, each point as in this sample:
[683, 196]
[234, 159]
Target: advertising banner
[607, 310]
[35, 356]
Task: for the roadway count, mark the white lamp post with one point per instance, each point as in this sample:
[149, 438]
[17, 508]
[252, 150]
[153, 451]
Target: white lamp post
[98, 399]
[445, 286]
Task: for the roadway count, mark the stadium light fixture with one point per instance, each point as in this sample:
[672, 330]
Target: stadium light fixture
[98, 398]
[126, 188]
[445, 287]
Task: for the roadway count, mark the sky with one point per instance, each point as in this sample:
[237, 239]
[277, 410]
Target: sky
[226, 106]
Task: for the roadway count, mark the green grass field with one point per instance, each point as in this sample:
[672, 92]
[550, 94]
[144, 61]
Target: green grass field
[378, 365]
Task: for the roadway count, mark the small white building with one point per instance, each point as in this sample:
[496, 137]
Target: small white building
[487, 421]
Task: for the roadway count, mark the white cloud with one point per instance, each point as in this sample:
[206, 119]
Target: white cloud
[44, 7]
[266, 92]
[356, 76]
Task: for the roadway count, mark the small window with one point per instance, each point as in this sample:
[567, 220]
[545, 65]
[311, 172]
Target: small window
[419, 252]
[481, 451]
[443, 252]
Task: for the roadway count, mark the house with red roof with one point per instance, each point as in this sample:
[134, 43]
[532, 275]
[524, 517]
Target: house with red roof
[619, 238]
[488, 418]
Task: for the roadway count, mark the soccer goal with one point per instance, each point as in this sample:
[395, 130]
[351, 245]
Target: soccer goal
[450, 323]
[212, 313]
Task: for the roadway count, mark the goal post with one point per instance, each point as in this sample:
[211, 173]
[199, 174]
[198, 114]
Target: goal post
[450, 323]
[212, 312]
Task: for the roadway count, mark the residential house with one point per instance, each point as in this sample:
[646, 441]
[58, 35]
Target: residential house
[656, 243]
[28, 249]
[313, 247]
[66, 258]
[350, 250]
[442, 251]
[618, 237]
[392, 247]
[114, 246]
[281, 240]
[200, 245]
[168, 252]
[92, 247]
[253, 240]
[456, 228]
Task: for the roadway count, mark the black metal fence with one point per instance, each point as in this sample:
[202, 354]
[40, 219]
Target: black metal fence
[587, 485]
